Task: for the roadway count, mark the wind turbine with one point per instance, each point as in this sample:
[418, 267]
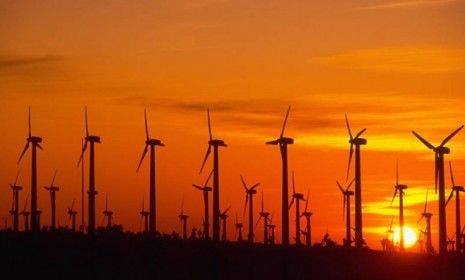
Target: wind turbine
[238, 230]
[439, 153]
[205, 189]
[107, 213]
[427, 216]
[82, 192]
[308, 229]
[152, 143]
[346, 193]
[26, 214]
[283, 142]
[457, 190]
[144, 215]
[72, 215]
[52, 189]
[15, 208]
[272, 227]
[357, 142]
[91, 139]
[249, 192]
[297, 197]
[35, 143]
[399, 188]
[215, 143]
[224, 216]
[265, 216]
[183, 218]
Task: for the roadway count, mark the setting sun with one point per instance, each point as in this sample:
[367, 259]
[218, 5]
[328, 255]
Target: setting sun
[410, 237]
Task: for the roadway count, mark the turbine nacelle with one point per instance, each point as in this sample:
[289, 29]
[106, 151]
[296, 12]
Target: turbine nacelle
[358, 141]
[442, 150]
[154, 142]
[401, 187]
[348, 193]
[34, 139]
[299, 196]
[183, 217]
[458, 188]
[93, 138]
[251, 191]
[427, 215]
[52, 189]
[217, 143]
[307, 214]
[282, 141]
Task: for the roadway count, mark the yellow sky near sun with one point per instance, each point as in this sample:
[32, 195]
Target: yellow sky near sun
[393, 66]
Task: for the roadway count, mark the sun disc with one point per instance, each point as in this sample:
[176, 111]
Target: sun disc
[410, 237]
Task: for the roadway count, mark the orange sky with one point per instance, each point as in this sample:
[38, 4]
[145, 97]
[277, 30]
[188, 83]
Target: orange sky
[392, 66]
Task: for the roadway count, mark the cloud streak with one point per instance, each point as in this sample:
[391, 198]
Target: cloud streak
[408, 4]
[405, 60]
[8, 62]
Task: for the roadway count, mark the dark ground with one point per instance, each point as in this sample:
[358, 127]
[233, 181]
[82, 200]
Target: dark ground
[62, 255]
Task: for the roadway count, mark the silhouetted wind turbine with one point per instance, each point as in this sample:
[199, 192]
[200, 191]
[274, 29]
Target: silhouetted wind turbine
[34, 141]
[224, 216]
[72, 215]
[216, 179]
[457, 190]
[91, 139]
[107, 213]
[283, 142]
[272, 227]
[26, 213]
[297, 197]
[249, 192]
[346, 193]
[264, 215]
[399, 188]
[357, 142]
[308, 228]
[427, 216]
[439, 153]
[15, 207]
[144, 215]
[152, 143]
[205, 189]
[82, 192]
[238, 230]
[52, 189]
[183, 218]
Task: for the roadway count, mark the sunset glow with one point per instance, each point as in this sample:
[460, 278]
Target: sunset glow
[391, 66]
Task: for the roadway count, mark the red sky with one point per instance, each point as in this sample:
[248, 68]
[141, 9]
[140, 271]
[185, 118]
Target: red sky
[393, 66]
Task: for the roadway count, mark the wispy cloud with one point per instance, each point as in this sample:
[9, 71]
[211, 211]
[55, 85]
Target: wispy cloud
[412, 60]
[407, 4]
[7, 62]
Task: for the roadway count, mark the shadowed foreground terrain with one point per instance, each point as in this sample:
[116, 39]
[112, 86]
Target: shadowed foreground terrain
[113, 255]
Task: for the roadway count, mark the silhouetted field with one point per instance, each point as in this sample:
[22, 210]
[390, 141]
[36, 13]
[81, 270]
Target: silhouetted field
[116, 255]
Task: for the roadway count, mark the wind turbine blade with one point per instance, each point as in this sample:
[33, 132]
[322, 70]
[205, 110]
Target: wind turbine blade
[292, 202]
[243, 183]
[306, 202]
[344, 206]
[397, 172]
[351, 182]
[29, 122]
[23, 152]
[340, 187]
[451, 174]
[421, 218]
[394, 196]
[205, 158]
[262, 201]
[423, 140]
[39, 146]
[25, 203]
[197, 187]
[426, 202]
[142, 157]
[351, 152]
[87, 125]
[392, 221]
[208, 178]
[209, 125]
[293, 184]
[82, 153]
[54, 176]
[226, 211]
[450, 196]
[436, 172]
[360, 133]
[450, 136]
[146, 125]
[254, 186]
[285, 121]
[245, 205]
[258, 221]
[348, 128]
[16, 179]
